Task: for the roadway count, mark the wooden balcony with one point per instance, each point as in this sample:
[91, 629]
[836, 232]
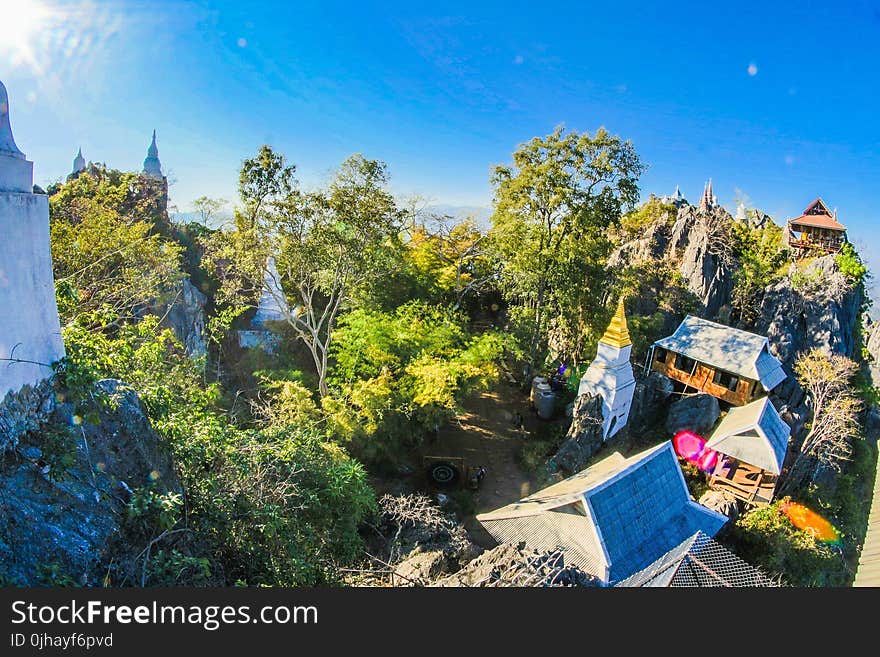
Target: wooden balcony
[701, 378]
[812, 244]
[745, 482]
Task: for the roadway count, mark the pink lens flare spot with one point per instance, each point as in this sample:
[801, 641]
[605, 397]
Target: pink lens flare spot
[688, 445]
[707, 460]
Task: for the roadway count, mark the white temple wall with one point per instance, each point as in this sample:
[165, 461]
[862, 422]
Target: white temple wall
[29, 325]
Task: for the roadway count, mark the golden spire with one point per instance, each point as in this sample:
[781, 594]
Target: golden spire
[617, 333]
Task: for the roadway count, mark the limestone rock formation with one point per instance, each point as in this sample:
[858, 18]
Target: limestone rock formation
[421, 567]
[185, 315]
[649, 401]
[697, 413]
[512, 565]
[64, 510]
[584, 436]
[813, 307]
[692, 245]
[872, 344]
[22, 411]
[707, 272]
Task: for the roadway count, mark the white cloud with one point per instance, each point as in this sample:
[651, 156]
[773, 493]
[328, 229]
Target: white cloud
[752, 69]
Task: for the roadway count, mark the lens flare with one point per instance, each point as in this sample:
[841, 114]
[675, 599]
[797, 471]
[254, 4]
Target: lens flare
[810, 521]
[688, 445]
[708, 459]
[692, 447]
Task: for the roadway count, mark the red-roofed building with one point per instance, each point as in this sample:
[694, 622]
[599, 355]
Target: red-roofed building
[816, 230]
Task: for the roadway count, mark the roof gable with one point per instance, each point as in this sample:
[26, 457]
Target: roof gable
[817, 207]
[817, 215]
[754, 434]
[645, 510]
[699, 561]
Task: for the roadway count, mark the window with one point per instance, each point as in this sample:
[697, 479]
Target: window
[684, 363]
[660, 355]
[726, 379]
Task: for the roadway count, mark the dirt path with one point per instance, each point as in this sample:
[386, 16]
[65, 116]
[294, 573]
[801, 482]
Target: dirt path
[485, 435]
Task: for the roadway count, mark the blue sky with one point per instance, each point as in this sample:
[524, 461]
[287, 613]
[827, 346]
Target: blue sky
[777, 102]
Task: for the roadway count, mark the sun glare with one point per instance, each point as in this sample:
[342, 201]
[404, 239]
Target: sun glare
[22, 21]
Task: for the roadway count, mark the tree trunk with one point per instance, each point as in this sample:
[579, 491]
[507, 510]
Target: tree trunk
[536, 333]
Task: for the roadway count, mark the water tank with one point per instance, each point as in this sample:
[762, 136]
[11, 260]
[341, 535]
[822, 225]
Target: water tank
[538, 380]
[545, 402]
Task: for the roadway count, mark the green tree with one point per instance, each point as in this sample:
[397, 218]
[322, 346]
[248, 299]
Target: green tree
[553, 206]
[106, 250]
[761, 253]
[331, 245]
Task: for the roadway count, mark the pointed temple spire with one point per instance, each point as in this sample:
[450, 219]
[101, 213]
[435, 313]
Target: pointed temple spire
[7, 142]
[152, 166]
[79, 162]
[16, 172]
[708, 199]
[617, 333]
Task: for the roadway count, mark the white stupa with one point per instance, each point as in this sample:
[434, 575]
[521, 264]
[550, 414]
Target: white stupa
[611, 375]
[30, 333]
[273, 304]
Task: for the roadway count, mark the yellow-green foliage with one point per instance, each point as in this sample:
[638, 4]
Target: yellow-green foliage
[634, 224]
[850, 264]
[761, 254]
[400, 374]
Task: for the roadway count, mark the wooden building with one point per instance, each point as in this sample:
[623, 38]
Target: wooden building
[731, 364]
[815, 232]
[751, 442]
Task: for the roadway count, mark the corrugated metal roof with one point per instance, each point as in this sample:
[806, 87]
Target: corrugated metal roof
[726, 348]
[754, 434]
[699, 561]
[769, 370]
[634, 511]
[561, 493]
[868, 570]
[552, 530]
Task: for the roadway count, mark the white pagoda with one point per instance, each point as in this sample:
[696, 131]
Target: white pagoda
[611, 375]
[30, 332]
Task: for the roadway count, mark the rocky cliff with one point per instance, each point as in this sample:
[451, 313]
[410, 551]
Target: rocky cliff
[185, 315]
[813, 307]
[65, 490]
[691, 243]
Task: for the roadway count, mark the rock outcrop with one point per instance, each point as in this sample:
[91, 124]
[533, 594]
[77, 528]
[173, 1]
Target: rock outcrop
[691, 245]
[813, 307]
[22, 411]
[872, 345]
[722, 502]
[66, 488]
[649, 401]
[185, 315]
[697, 413]
[707, 273]
[509, 565]
[584, 436]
